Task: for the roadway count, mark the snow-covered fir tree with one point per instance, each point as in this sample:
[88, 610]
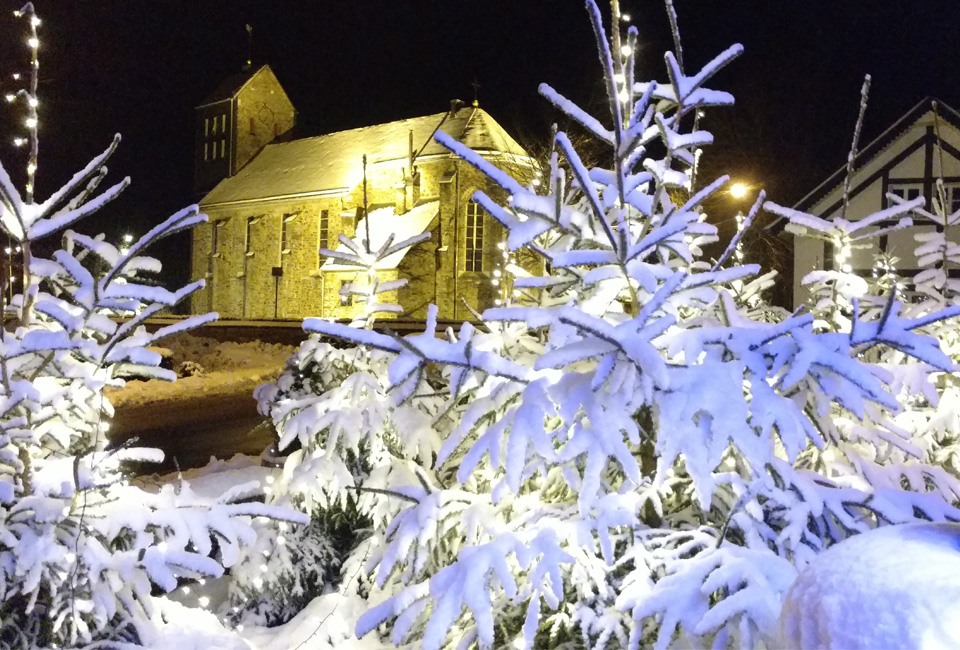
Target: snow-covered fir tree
[627, 455]
[81, 550]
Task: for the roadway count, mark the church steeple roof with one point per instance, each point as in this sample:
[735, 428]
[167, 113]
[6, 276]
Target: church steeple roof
[230, 86]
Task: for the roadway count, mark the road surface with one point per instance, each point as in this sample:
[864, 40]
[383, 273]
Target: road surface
[191, 425]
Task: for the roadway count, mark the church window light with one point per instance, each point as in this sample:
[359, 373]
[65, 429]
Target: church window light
[215, 238]
[248, 248]
[285, 226]
[323, 232]
[473, 259]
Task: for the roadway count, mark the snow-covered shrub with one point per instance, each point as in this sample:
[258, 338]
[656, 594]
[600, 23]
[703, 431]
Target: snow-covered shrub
[634, 453]
[81, 550]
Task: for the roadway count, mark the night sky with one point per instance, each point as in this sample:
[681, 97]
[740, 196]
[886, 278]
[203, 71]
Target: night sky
[139, 68]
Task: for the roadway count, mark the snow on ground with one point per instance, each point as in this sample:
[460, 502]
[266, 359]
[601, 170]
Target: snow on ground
[218, 477]
[186, 618]
[178, 627]
[894, 587]
[327, 622]
[214, 355]
[230, 368]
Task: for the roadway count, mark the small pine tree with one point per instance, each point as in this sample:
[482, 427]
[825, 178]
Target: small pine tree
[82, 550]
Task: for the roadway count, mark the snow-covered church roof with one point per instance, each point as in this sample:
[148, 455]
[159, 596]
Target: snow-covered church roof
[382, 223]
[334, 162]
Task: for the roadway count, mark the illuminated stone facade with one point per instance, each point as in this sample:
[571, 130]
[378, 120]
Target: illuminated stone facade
[268, 219]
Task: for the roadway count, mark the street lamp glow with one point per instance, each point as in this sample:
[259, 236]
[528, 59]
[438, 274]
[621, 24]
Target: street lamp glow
[738, 190]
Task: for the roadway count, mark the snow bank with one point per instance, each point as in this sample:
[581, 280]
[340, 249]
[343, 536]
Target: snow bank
[327, 622]
[216, 478]
[230, 368]
[178, 627]
[214, 355]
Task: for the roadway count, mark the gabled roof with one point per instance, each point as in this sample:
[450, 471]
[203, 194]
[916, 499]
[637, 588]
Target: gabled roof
[382, 224]
[229, 87]
[334, 163]
[880, 144]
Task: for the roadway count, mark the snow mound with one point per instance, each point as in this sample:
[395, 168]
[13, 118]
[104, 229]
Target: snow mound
[894, 587]
[175, 626]
[216, 478]
[216, 356]
[326, 623]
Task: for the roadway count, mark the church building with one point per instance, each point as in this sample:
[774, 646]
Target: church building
[273, 202]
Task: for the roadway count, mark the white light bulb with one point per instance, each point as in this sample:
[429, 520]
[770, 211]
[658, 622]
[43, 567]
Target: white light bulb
[70, 558]
[128, 238]
[31, 122]
[162, 547]
[10, 97]
[625, 50]
[31, 168]
[498, 302]
[33, 102]
[35, 21]
[16, 13]
[618, 77]
[204, 601]
[270, 480]
[202, 581]
[186, 590]
[33, 42]
[16, 76]
[281, 540]
[7, 250]
[258, 583]
[282, 525]
[536, 182]
[240, 628]
[625, 18]
[624, 96]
